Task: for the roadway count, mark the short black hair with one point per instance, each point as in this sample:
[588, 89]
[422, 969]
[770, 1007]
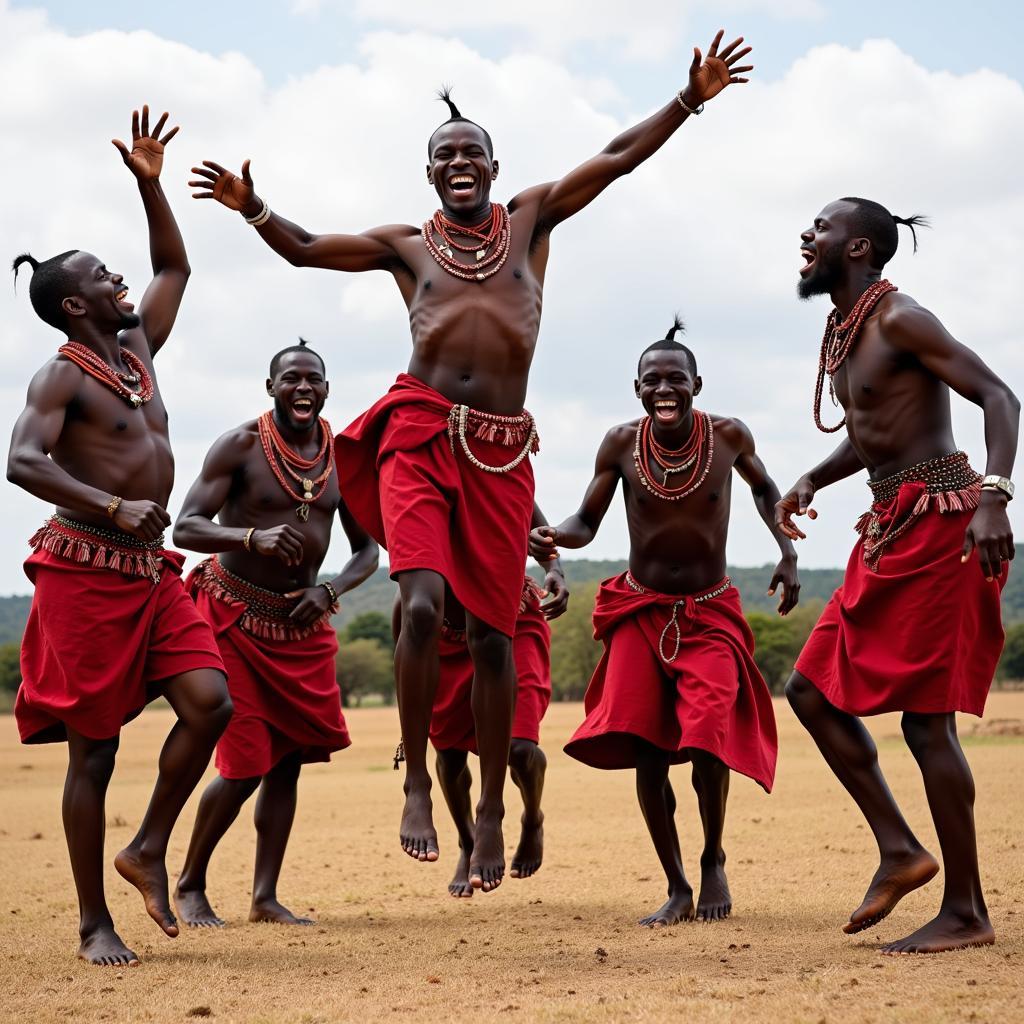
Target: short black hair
[51, 284]
[445, 94]
[668, 343]
[303, 346]
[874, 222]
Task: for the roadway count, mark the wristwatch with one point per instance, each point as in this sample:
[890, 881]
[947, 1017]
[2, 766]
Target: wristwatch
[998, 483]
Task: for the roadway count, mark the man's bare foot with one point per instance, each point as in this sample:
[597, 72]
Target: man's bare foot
[194, 908]
[272, 912]
[945, 931]
[487, 862]
[715, 901]
[150, 878]
[894, 878]
[417, 832]
[529, 854]
[678, 907]
[104, 948]
[459, 885]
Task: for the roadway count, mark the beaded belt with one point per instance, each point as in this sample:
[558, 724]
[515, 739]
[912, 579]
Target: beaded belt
[949, 483]
[101, 549]
[677, 606]
[489, 426]
[267, 612]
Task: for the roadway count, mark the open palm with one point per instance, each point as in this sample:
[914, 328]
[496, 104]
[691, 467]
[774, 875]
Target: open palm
[710, 77]
[146, 158]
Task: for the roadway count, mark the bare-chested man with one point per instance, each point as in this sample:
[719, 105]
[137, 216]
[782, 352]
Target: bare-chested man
[438, 471]
[111, 626]
[677, 681]
[916, 625]
[272, 485]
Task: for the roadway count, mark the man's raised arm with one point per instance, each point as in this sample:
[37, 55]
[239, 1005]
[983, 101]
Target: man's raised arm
[371, 250]
[625, 153]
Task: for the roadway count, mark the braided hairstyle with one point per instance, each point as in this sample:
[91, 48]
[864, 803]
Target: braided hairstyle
[879, 226]
[669, 343]
[445, 94]
[52, 282]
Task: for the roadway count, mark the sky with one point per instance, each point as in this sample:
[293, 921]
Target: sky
[918, 106]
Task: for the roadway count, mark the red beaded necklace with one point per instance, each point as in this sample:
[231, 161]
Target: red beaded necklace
[279, 455]
[490, 240]
[699, 451]
[96, 366]
[837, 343]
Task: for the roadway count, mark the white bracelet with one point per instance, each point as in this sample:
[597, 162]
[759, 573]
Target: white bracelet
[261, 218]
[682, 103]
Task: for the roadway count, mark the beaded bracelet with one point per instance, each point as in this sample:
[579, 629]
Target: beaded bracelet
[261, 218]
[331, 592]
[113, 505]
[689, 110]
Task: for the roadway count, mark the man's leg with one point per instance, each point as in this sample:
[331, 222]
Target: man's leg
[90, 765]
[201, 702]
[493, 701]
[455, 778]
[658, 804]
[275, 812]
[852, 756]
[527, 764]
[218, 808]
[963, 917]
[416, 671]
[711, 781]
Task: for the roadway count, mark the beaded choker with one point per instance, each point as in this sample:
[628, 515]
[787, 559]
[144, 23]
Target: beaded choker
[696, 455]
[283, 460]
[489, 241]
[94, 365]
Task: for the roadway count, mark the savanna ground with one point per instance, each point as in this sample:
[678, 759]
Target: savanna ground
[391, 944]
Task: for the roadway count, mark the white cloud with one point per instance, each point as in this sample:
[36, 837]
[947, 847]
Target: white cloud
[709, 225]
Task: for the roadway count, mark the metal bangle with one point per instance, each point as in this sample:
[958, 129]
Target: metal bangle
[113, 505]
[689, 110]
[331, 592]
[247, 539]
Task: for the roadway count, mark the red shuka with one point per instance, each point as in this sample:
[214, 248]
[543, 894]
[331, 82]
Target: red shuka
[433, 509]
[285, 691]
[451, 727]
[98, 642]
[710, 696]
[921, 633]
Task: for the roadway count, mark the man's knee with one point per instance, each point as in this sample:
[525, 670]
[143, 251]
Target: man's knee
[526, 757]
[489, 648]
[422, 612]
[201, 699]
[800, 692]
[95, 758]
[928, 733]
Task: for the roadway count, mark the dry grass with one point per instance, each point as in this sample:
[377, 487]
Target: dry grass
[391, 944]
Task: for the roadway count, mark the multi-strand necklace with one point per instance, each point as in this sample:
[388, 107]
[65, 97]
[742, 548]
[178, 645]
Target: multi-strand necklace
[283, 460]
[118, 381]
[489, 241]
[837, 343]
[695, 455]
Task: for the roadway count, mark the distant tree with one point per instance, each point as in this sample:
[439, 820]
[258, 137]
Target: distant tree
[10, 668]
[365, 667]
[778, 641]
[1011, 664]
[574, 651]
[370, 626]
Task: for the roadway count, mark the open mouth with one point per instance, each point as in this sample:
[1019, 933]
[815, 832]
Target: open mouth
[809, 257]
[461, 182]
[302, 406]
[665, 410]
[121, 298]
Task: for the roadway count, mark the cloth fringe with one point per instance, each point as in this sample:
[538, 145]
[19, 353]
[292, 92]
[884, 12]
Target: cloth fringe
[96, 550]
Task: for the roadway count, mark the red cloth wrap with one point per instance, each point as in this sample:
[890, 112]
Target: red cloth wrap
[285, 692]
[98, 642]
[451, 727]
[431, 508]
[922, 632]
[710, 697]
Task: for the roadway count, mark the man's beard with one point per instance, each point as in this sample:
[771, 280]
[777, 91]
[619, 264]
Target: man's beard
[826, 276]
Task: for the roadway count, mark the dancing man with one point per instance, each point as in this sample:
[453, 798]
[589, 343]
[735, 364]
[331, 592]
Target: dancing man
[915, 627]
[438, 469]
[111, 626]
[272, 485]
[677, 680]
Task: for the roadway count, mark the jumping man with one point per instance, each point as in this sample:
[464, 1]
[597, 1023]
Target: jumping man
[915, 626]
[272, 485]
[438, 470]
[111, 626]
[677, 680]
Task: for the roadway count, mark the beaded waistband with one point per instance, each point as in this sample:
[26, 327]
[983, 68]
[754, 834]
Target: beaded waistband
[509, 431]
[99, 548]
[951, 472]
[266, 611]
[701, 595]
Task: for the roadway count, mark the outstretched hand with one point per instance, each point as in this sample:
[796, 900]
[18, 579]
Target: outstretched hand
[710, 76]
[146, 157]
[232, 191]
[796, 502]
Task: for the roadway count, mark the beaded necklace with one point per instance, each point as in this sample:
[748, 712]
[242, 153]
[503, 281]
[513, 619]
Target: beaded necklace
[279, 455]
[703, 439]
[837, 343]
[495, 231]
[96, 366]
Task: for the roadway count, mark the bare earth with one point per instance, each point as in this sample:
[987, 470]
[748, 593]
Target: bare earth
[562, 946]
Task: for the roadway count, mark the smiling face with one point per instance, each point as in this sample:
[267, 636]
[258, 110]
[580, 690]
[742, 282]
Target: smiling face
[666, 386]
[299, 389]
[461, 167]
[100, 296]
[826, 251]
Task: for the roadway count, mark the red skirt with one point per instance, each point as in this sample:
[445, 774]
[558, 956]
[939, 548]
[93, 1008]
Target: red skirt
[99, 642]
[709, 695]
[922, 633]
[285, 692]
[451, 726]
[433, 509]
